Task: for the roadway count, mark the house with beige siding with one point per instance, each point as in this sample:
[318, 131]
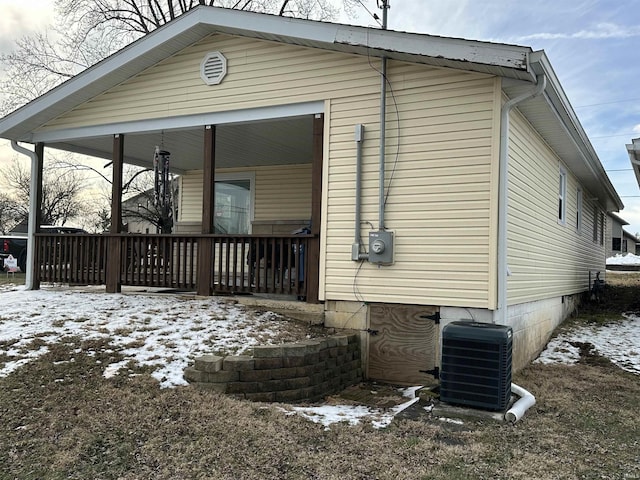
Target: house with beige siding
[438, 179]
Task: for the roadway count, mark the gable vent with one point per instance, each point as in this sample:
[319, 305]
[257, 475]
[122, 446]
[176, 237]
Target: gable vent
[213, 68]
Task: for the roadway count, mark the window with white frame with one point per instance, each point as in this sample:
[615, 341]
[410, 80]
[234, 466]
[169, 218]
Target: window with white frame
[562, 196]
[579, 210]
[234, 197]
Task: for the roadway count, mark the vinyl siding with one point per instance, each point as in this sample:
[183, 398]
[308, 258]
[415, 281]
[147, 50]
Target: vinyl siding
[440, 200]
[546, 259]
[281, 193]
[260, 74]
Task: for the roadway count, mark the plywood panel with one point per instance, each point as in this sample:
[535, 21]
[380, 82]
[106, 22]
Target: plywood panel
[405, 343]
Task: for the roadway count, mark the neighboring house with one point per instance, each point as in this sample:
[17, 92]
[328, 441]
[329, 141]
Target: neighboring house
[486, 203]
[615, 241]
[133, 213]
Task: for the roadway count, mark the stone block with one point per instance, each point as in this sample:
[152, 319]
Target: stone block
[330, 362]
[333, 352]
[313, 346]
[293, 362]
[267, 351]
[311, 358]
[323, 354]
[331, 342]
[352, 338]
[268, 363]
[237, 363]
[209, 363]
[296, 383]
[221, 377]
[191, 374]
[242, 387]
[294, 350]
[256, 375]
[290, 395]
[271, 386]
[289, 372]
[342, 340]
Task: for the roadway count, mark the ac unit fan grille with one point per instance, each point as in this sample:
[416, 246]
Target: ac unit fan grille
[476, 365]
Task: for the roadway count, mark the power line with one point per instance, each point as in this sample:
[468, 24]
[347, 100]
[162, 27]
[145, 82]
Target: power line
[608, 103]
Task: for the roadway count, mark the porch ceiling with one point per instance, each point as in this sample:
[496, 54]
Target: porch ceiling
[274, 142]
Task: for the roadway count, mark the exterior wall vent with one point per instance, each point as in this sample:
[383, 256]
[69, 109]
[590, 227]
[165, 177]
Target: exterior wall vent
[213, 68]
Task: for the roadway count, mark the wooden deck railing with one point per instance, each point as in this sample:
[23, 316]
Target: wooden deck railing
[240, 263]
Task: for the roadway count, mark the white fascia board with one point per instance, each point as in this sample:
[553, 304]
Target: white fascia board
[304, 31]
[457, 49]
[180, 122]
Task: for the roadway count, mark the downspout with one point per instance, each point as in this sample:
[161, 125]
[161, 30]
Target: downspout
[503, 193]
[31, 239]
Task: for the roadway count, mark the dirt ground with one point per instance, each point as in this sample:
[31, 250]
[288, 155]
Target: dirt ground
[61, 419]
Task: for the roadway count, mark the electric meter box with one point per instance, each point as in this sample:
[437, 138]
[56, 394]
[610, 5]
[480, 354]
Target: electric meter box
[381, 247]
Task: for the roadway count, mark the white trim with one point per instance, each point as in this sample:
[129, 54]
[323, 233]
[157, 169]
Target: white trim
[251, 176]
[562, 196]
[181, 122]
[579, 210]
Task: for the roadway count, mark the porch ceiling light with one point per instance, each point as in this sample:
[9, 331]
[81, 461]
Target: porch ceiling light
[213, 68]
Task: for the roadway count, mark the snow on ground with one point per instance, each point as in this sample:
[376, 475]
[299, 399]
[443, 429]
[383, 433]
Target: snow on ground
[617, 341]
[626, 259]
[166, 332]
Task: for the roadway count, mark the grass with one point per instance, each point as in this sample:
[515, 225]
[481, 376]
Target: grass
[65, 421]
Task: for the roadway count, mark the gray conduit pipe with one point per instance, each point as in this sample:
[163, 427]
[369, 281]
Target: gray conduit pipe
[31, 239]
[355, 248]
[503, 194]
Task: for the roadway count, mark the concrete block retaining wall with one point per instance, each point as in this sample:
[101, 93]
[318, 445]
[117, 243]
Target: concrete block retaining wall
[292, 372]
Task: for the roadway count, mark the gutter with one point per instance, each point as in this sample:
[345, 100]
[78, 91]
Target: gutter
[33, 187]
[503, 193]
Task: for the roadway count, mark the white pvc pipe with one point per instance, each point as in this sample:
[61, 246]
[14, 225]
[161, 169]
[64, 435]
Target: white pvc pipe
[527, 400]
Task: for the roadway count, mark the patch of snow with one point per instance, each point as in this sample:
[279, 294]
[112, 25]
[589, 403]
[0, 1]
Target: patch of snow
[619, 342]
[623, 259]
[354, 414]
[455, 421]
[162, 332]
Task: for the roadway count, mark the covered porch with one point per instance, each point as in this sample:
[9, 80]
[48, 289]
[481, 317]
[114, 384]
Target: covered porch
[204, 254]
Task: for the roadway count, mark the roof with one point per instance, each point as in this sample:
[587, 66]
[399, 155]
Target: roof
[633, 149]
[618, 219]
[551, 113]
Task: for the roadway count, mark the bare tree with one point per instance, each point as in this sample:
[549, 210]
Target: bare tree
[61, 193]
[9, 217]
[86, 31]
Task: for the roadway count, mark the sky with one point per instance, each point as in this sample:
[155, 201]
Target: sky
[165, 336]
[592, 46]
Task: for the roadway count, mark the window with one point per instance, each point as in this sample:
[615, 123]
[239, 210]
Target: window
[233, 211]
[579, 210]
[625, 247]
[562, 196]
[596, 218]
[615, 244]
[602, 223]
